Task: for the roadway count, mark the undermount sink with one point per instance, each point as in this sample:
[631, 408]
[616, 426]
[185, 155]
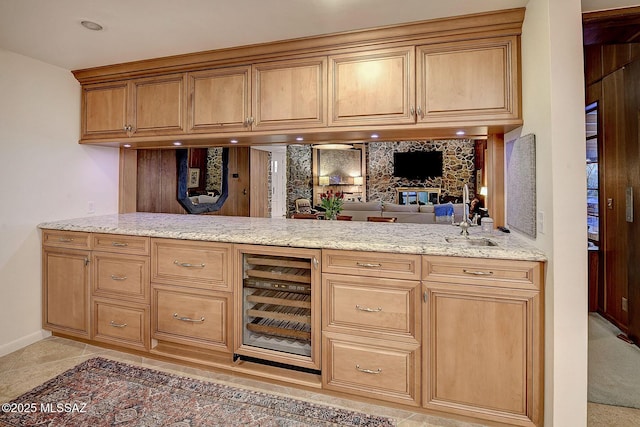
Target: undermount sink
[470, 241]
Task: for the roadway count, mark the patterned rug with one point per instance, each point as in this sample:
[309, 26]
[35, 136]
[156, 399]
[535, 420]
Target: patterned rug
[101, 392]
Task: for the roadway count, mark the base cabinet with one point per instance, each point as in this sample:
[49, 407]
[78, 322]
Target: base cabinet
[439, 334]
[483, 340]
[66, 291]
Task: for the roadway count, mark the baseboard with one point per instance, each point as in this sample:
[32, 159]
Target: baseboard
[23, 342]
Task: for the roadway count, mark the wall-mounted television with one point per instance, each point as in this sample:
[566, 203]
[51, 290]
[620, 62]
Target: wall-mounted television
[417, 164]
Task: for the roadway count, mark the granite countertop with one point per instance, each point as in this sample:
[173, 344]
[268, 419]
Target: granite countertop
[427, 239]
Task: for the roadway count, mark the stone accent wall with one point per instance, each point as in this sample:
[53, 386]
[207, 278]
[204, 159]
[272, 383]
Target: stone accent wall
[214, 169]
[299, 175]
[457, 168]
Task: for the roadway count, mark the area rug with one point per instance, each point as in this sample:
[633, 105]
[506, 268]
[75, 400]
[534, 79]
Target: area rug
[614, 377]
[101, 392]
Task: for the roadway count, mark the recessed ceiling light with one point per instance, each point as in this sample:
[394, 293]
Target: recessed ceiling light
[460, 132]
[90, 25]
[177, 143]
[127, 145]
[234, 141]
[375, 135]
[299, 138]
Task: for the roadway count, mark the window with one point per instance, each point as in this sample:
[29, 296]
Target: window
[593, 192]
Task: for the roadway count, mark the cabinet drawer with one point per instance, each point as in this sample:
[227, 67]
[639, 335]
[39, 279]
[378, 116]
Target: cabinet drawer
[121, 276]
[121, 324]
[192, 318]
[371, 306]
[121, 244]
[488, 272]
[190, 263]
[371, 368]
[372, 264]
[66, 239]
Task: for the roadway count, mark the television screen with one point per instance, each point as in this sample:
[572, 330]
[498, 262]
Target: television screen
[417, 164]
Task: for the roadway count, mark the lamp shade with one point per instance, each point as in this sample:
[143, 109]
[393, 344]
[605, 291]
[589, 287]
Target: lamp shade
[358, 180]
[483, 191]
[323, 180]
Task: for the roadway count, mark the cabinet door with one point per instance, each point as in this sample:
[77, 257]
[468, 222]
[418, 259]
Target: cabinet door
[290, 94]
[65, 292]
[483, 352]
[374, 87]
[158, 105]
[219, 100]
[470, 82]
[104, 110]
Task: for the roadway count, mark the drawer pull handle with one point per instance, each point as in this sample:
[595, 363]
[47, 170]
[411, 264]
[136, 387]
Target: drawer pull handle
[118, 325]
[368, 265]
[65, 239]
[187, 265]
[119, 244]
[478, 273]
[188, 319]
[121, 278]
[369, 371]
[367, 309]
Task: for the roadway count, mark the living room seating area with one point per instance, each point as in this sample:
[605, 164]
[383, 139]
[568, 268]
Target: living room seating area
[421, 214]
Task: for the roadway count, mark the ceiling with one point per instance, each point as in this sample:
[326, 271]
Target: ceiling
[50, 30]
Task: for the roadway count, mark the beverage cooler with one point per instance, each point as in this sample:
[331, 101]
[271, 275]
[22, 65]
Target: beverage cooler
[278, 291]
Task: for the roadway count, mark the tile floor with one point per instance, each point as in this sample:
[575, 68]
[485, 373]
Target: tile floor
[28, 367]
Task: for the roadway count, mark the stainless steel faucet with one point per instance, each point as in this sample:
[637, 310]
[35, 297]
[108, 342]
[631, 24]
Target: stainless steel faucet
[465, 223]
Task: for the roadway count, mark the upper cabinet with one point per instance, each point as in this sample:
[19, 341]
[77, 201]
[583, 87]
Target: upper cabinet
[372, 87]
[139, 107]
[289, 94]
[273, 95]
[470, 81]
[425, 79]
[219, 100]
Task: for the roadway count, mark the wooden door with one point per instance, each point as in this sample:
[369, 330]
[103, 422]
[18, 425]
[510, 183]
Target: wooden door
[290, 94]
[158, 105]
[260, 202]
[632, 228]
[469, 81]
[614, 180]
[105, 110]
[219, 100]
[483, 355]
[66, 291]
[239, 181]
[373, 87]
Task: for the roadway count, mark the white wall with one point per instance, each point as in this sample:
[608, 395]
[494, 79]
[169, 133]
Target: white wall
[45, 175]
[553, 110]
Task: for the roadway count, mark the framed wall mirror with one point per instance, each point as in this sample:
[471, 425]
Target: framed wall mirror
[202, 178]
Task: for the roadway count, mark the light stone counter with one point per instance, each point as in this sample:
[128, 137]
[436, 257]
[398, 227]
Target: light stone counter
[349, 235]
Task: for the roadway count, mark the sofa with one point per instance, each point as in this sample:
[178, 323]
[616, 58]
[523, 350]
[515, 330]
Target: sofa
[420, 214]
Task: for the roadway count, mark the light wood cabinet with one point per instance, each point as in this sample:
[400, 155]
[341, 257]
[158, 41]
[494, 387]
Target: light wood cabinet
[190, 263]
[121, 323]
[192, 317]
[220, 100]
[286, 94]
[468, 82]
[191, 300]
[372, 87]
[66, 282]
[139, 107]
[483, 339]
[371, 329]
[289, 94]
